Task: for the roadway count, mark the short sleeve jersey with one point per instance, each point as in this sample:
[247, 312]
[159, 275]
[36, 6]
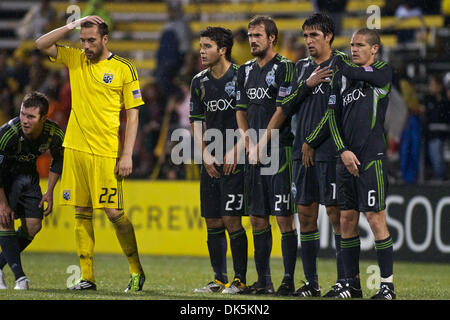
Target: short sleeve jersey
[261, 90]
[309, 106]
[214, 100]
[99, 92]
[18, 154]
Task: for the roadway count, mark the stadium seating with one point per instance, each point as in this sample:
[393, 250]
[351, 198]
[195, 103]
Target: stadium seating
[137, 25]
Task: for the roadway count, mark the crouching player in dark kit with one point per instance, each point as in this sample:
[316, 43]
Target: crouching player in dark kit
[22, 140]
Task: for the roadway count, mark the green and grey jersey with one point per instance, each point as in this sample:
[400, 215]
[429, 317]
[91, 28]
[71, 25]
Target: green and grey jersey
[260, 90]
[356, 110]
[18, 154]
[309, 106]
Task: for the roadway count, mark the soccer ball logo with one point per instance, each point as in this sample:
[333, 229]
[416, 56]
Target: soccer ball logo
[66, 194]
[108, 77]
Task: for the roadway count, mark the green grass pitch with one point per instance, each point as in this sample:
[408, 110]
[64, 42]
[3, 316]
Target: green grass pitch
[174, 278]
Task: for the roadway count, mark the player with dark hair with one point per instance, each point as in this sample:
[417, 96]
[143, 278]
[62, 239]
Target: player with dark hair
[314, 174]
[22, 140]
[102, 83]
[212, 107]
[355, 115]
[262, 84]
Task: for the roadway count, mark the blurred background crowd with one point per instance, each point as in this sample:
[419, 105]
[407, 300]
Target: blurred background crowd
[161, 38]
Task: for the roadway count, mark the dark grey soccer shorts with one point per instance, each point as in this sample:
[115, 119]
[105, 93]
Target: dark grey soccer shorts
[365, 193]
[24, 195]
[271, 194]
[315, 184]
[224, 196]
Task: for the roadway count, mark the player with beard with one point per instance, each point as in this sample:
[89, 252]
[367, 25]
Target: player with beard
[314, 174]
[262, 84]
[212, 107]
[102, 83]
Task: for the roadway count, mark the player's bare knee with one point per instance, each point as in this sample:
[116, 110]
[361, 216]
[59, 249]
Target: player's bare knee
[34, 228]
[232, 224]
[259, 223]
[113, 214]
[333, 213]
[213, 223]
[83, 209]
[286, 223]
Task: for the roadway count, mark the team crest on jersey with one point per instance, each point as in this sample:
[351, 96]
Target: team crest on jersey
[107, 78]
[270, 77]
[44, 147]
[229, 88]
[66, 195]
[332, 99]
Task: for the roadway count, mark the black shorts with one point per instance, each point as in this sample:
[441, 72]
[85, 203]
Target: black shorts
[315, 184]
[271, 194]
[24, 195]
[366, 192]
[224, 196]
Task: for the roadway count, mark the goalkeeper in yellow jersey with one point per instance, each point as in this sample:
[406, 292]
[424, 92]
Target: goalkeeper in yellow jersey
[102, 83]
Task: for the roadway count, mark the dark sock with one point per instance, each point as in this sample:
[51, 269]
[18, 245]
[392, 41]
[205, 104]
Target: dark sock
[310, 242]
[10, 249]
[217, 246]
[385, 259]
[339, 263]
[262, 240]
[289, 243]
[239, 252]
[24, 240]
[350, 249]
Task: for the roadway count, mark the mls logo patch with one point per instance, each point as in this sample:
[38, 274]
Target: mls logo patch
[107, 78]
[270, 77]
[229, 88]
[66, 195]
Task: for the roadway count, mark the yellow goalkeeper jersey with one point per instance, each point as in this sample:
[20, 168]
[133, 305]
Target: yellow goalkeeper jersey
[99, 92]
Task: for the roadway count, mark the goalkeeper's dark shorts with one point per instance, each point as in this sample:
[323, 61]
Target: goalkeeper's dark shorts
[224, 196]
[24, 195]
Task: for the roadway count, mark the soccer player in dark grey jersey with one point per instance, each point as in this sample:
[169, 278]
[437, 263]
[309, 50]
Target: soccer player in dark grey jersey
[212, 107]
[22, 140]
[355, 115]
[262, 84]
[314, 174]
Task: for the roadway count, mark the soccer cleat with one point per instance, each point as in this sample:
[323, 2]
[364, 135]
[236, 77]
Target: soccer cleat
[136, 282]
[257, 288]
[384, 293]
[286, 289]
[213, 286]
[83, 285]
[237, 286]
[335, 289]
[22, 283]
[349, 292]
[2, 281]
[308, 290]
